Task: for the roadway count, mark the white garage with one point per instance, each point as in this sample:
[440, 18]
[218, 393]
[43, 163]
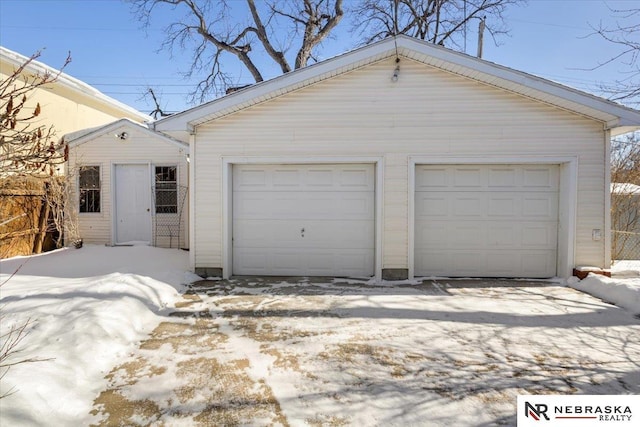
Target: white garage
[486, 220]
[311, 220]
[400, 159]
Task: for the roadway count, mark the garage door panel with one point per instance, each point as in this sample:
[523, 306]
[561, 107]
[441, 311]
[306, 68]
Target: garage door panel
[490, 234]
[303, 178]
[539, 236]
[541, 177]
[431, 178]
[502, 177]
[487, 205]
[249, 179]
[507, 226]
[286, 178]
[468, 206]
[289, 205]
[534, 263]
[322, 234]
[486, 263]
[306, 262]
[468, 177]
[496, 178]
[304, 219]
[544, 206]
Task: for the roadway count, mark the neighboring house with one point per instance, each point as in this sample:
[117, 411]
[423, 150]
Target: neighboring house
[68, 103]
[401, 159]
[625, 221]
[129, 185]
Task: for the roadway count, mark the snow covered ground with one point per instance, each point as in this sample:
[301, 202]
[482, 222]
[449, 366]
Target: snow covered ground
[88, 308]
[622, 289]
[264, 352]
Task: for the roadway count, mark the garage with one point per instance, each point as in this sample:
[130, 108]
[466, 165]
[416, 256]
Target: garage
[486, 220]
[303, 220]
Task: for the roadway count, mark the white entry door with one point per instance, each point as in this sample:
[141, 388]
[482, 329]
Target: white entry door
[303, 220]
[486, 220]
[133, 203]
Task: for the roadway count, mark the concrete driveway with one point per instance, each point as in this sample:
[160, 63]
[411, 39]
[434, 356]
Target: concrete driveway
[327, 352]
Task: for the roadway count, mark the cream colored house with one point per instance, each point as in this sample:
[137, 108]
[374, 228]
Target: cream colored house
[68, 103]
[400, 159]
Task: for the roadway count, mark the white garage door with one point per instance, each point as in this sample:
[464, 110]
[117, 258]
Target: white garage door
[303, 220]
[486, 220]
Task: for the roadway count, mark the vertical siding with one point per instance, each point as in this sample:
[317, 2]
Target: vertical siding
[107, 150]
[426, 112]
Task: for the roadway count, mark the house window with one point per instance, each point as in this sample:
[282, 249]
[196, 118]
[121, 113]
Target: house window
[166, 189]
[90, 189]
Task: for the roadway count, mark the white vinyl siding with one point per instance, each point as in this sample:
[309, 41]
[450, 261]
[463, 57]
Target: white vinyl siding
[106, 151]
[427, 112]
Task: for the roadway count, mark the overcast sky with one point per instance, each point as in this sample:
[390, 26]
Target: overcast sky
[110, 50]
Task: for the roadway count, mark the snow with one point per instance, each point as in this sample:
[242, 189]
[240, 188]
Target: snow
[625, 188]
[88, 308]
[622, 289]
[430, 351]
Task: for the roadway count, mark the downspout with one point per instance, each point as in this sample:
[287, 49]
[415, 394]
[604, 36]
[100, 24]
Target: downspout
[191, 165]
[607, 198]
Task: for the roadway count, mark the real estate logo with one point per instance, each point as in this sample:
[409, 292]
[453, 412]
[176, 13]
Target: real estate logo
[536, 411]
[578, 410]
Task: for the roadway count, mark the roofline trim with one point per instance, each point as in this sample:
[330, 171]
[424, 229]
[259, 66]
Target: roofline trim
[406, 45]
[110, 127]
[69, 82]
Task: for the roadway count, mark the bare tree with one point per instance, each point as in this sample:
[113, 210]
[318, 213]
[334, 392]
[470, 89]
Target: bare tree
[625, 36]
[158, 111]
[440, 22]
[11, 338]
[26, 146]
[213, 31]
[625, 196]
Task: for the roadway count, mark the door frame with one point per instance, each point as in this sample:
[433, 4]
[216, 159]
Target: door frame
[227, 202]
[567, 200]
[114, 190]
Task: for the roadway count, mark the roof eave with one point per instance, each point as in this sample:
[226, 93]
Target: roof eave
[108, 128]
[71, 83]
[612, 115]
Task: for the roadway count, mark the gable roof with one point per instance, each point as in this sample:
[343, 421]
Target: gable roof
[80, 137]
[614, 116]
[78, 87]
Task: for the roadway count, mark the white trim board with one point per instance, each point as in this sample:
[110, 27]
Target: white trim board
[227, 203]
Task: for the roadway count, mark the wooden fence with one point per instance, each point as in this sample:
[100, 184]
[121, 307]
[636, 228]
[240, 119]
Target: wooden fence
[24, 216]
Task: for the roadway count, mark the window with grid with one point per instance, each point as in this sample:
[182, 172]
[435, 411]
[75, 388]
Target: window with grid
[166, 189]
[90, 189]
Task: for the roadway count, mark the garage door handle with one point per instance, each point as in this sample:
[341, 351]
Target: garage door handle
[302, 232]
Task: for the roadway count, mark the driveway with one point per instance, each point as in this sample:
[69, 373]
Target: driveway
[327, 352]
